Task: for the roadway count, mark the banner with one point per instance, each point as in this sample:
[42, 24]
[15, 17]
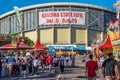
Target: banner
[62, 17]
[18, 16]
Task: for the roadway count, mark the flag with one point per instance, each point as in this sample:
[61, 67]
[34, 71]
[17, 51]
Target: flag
[19, 18]
[113, 25]
[110, 22]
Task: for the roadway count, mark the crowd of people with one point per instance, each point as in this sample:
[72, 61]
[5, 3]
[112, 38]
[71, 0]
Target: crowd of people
[31, 63]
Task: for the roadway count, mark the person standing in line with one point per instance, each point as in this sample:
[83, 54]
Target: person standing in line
[110, 68]
[91, 67]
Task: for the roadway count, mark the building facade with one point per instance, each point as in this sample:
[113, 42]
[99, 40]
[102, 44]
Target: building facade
[59, 24]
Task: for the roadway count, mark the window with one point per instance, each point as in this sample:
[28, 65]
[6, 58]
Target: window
[14, 24]
[29, 19]
[4, 26]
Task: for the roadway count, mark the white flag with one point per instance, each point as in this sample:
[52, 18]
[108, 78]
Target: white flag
[18, 16]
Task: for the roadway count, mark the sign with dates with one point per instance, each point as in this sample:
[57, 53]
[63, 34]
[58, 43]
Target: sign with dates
[62, 17]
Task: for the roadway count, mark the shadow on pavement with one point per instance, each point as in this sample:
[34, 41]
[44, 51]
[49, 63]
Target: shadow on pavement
[41, 76]
[84, 77]
[80, 77]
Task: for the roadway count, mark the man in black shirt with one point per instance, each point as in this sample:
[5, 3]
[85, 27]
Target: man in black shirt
[110, 68]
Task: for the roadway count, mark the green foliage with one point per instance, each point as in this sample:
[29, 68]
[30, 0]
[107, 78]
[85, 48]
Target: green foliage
[30, 42]
[14, 34]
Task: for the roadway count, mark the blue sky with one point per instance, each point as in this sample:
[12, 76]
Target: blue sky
[7, 5]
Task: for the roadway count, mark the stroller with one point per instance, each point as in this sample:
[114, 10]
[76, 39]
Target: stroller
[16, 70]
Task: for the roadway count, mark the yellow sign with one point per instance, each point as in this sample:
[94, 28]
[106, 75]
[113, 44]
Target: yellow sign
[111, 34]
[106, 51]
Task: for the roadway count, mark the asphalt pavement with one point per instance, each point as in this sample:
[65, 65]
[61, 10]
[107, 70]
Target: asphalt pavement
[78, 72]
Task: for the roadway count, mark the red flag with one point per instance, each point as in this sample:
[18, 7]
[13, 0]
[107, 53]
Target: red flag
[110, 22]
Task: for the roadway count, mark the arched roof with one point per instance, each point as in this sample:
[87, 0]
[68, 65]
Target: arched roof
[58, 4]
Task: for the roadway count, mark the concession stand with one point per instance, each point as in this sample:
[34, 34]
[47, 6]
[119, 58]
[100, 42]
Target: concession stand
[106, 47]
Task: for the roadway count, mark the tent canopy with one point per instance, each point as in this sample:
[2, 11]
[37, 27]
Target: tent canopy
[12, 46]
[38, 45]
[107, 43]
[15, 46]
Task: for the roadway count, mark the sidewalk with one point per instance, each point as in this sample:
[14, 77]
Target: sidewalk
[78, 72]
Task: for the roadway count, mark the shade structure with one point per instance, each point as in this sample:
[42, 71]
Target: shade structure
[8, 47]
[39, 46]
[24, 46]
[12, 46]
[15, 46]
[107, 43]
